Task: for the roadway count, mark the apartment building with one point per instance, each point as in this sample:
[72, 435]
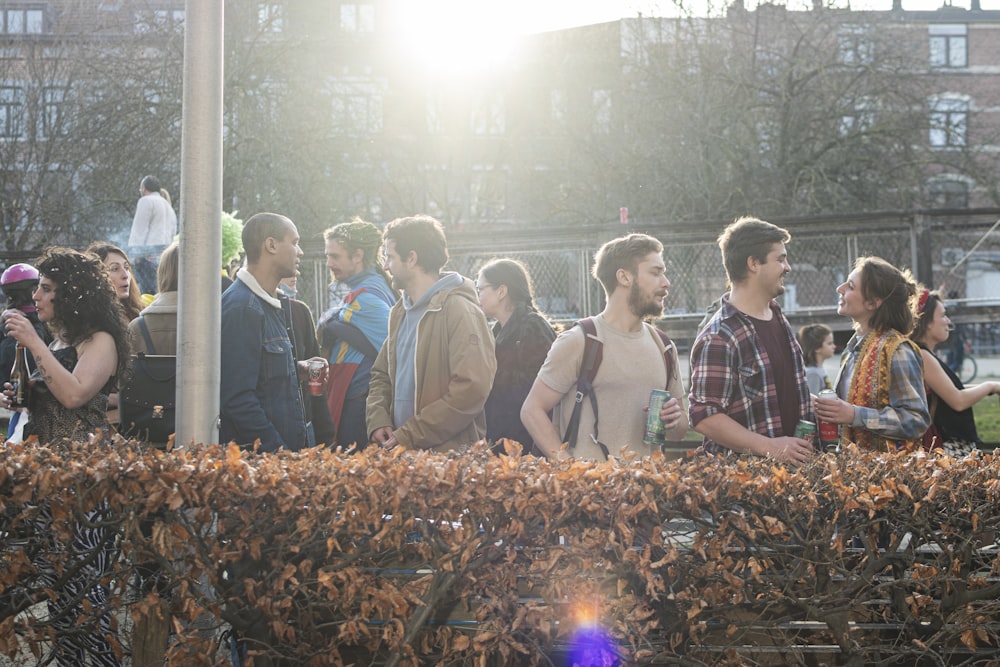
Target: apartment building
[764, 109]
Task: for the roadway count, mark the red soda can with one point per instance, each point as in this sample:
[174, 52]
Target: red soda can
[829, 433]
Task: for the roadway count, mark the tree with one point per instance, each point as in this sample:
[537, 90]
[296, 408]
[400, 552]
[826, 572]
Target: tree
[89, 109]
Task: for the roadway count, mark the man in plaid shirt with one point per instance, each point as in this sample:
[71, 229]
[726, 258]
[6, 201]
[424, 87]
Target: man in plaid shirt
[748, 380]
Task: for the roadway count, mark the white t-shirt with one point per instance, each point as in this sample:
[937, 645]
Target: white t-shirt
[631, 367]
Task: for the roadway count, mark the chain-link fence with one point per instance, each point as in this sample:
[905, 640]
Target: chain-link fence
[958, 252]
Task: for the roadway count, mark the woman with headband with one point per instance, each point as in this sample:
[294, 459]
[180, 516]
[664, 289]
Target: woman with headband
[949, 401]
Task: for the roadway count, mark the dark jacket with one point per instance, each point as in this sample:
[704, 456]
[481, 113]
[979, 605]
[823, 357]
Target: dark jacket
[952, 425]
[306, 347]
[521, 347]
[259, 396]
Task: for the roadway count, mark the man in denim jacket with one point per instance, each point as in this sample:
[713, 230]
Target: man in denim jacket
[260, 397]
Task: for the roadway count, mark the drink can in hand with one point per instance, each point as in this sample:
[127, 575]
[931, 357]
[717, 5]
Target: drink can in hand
[829, 433]
[317, 377]
[805, 430]
[656, 430]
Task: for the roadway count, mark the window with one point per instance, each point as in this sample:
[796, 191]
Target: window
[602, 110]
[53, 112]
[558, 106]
[11, 111]
[357, 17]
[855, 45]
[948, 193]
[434, 115]
[12, 200]
[357, 109]
[489, 119]
[949, 45]
[23, 21]
[487, 193]
[948, 121]
[859, 119]
[271, 17]
[160, 20]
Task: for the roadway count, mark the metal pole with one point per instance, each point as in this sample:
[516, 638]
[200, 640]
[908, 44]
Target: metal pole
[198, 312]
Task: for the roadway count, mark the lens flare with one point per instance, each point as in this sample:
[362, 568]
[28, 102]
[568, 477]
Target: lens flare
[591, 646]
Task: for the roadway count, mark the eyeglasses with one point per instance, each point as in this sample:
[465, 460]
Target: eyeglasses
[480, 287]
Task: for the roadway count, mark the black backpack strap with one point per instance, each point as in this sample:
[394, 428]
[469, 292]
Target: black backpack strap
[593, 352]
[145, 335]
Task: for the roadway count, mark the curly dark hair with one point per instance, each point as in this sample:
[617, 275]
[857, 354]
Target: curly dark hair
[85, 301]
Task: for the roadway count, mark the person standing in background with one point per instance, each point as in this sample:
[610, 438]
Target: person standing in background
[817, 345]
[307, 347]
[260, 398]
[880, 399]
[523, 338]
[948, 399]
[123, 280]
[352, 331]
[19, 282]
[748, 379]
[122, 277]
[75, 375]
[434, 372]
[635, 360]
[154, 227]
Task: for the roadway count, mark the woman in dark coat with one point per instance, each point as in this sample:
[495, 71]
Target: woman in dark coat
[523, 337]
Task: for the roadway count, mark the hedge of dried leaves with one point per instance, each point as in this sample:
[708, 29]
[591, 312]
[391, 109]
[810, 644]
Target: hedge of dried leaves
[323, 558]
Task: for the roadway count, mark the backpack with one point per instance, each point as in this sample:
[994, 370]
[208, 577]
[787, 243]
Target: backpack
[593, 354]
[147, 394]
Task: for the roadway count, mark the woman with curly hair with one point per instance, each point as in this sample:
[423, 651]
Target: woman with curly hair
[881, 402]
[122, 277]
[68, 400]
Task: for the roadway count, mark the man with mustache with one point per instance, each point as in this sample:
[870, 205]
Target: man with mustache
[635, 360]
[748, 380]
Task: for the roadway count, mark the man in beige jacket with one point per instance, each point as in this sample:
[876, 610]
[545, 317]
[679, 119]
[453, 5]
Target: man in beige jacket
[435, 370]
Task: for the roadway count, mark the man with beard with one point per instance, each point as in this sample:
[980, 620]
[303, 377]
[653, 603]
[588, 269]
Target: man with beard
[748, 380]
[635, 361]
[430, 380]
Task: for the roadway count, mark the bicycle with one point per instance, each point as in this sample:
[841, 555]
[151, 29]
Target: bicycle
[967, 371]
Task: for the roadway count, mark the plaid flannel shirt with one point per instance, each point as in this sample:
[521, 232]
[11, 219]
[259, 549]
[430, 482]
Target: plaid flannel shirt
[906, 417]
[730, 374]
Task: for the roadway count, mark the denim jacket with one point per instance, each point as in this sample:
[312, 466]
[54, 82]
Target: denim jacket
[260, 390]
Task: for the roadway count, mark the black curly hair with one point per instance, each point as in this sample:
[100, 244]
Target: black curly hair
[85, 301]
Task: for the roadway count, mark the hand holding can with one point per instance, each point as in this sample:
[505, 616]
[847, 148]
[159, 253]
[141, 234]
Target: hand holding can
[829, 432]
[317, 376]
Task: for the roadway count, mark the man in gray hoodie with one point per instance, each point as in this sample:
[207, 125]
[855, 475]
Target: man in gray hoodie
[431, 378]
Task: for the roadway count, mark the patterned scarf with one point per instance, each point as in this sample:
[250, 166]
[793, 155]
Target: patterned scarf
[870, 387]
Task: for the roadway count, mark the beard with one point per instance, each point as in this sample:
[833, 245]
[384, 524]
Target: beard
[642, 306]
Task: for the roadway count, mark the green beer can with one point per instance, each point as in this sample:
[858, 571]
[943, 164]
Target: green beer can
[656, 432]
[805, 430]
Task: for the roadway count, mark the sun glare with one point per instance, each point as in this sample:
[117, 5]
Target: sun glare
[454, 36]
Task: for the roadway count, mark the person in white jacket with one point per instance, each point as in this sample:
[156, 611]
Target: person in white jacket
[153, 227]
